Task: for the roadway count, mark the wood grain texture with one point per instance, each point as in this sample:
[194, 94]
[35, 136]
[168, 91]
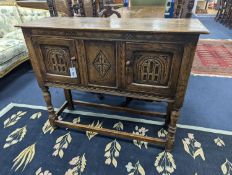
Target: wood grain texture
[110, 132]
[56, 56]
[152, 25]
[101, 63]
[151, 67]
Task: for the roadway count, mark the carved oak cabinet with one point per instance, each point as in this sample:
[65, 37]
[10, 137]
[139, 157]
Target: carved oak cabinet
[146, 59]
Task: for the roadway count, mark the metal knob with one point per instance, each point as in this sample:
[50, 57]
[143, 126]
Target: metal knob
[128, 63]
[73, 58]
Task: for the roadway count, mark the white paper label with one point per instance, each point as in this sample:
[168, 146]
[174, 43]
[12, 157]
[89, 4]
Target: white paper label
[73, 72]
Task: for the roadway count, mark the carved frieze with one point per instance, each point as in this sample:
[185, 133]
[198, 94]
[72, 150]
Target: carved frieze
[114, 36]
[129, 36]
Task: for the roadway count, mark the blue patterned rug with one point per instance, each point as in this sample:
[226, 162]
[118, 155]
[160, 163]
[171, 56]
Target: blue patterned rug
[28, 146]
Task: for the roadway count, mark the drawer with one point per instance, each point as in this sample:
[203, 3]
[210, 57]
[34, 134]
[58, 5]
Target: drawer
[56, 57]
[152, 68]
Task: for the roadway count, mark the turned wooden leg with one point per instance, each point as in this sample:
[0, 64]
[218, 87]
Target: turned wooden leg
[171, 131]
[169, 111]
[51, 113]
[68, 97]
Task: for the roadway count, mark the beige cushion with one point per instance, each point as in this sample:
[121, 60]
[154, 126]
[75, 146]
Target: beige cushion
[29, 14]
[7, 65]
[1, 29]
[11, 49]
[16, 34]
[9, 17]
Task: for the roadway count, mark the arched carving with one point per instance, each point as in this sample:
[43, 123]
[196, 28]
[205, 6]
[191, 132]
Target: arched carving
[57, 60]
[152, 69]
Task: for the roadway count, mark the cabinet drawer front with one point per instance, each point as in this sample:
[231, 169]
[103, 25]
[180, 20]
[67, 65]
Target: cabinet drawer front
[101, 63]
[152, 68]
[56, 57]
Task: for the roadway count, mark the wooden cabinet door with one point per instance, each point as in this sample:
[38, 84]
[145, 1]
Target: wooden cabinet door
[56, 57]
[101, 63]
[152, 67]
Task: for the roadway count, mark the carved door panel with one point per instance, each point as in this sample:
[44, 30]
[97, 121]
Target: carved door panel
[152, 67]
[101, 63]
[57, 56]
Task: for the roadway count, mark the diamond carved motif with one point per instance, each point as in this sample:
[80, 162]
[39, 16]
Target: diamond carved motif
[101, 64]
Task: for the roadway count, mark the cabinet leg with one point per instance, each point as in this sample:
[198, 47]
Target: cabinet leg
[68, 97]
[171, 131]
[169, 111]
[51, 113]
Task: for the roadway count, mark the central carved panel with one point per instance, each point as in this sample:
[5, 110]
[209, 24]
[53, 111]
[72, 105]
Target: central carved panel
[152, 68]
[101, 64]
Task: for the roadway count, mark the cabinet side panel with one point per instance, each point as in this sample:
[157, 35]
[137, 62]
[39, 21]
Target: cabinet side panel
[33, 58]
[185, 72]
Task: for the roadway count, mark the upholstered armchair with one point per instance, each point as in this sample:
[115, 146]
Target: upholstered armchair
[13, 50]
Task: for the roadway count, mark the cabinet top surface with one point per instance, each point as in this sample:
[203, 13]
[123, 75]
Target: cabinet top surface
[155, 25]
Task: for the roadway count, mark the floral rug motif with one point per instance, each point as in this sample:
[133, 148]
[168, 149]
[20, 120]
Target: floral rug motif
[213, 57]
[30, 146]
